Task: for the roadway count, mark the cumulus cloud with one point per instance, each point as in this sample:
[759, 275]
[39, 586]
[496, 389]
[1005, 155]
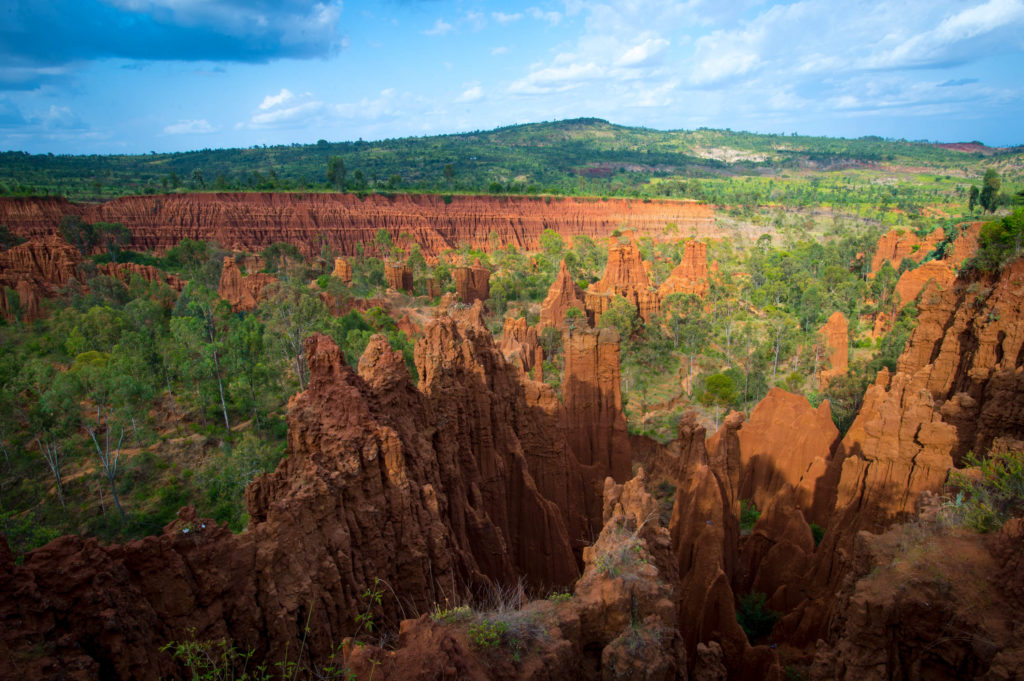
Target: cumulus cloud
[643, 53]
[440, 27]
[270, 101]
[500, 49]
[550, 16]
[471, 93]
[189, 127]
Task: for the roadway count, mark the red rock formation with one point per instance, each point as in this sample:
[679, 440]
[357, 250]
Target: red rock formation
[472, 283]
[836, 338]
[407, 326]
[343, 270]
[519, 343]
[251, 222]
[898, 244]
[563, 294]
[705, 533]
[965, 245]
[691, 274]
[36, 269]
[433, 289]
[595, 424]
[124, 272]
[788, 442]
[626, 276]
[244, 293]
[912, 282]
[398, 276]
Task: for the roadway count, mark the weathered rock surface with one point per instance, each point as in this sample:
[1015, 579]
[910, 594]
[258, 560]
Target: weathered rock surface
[519, 343]
[835, 335]
[912, 282]
[343, 270]
[472, 283]
[244, 293]
[787, 442]
[251, 222]
[705, 534]
[35, 270]
[691, 274]
[398, 276]
[625, 275]
[897, 244]
[563, 294]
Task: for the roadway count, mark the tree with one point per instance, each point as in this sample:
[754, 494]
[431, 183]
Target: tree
[336, 172]
[7, 239]
[573, 318]
[51, 415]
[112, 236]
[200, 333]
[78, 233]
[292, 312]
[276, 255]
[449, 174]
[719, 391]
[197, 179]
[990, 190]
[972, 198]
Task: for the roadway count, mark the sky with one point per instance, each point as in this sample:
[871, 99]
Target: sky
[134, 76]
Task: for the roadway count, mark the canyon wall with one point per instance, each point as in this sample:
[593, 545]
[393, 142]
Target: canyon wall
[251, 222]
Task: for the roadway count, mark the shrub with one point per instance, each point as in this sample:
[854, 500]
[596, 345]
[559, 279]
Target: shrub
[986, 501]
[749, 516]
[755, 619]
[818, 532]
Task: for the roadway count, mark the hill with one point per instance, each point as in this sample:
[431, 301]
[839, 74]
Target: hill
[575, 157]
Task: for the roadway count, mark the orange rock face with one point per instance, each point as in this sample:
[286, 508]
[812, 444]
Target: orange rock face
[251, 222]
[519, 343]
[835, 335]
[35, 270]
[563, 294]
[398, 276]
[244, 293]
[691, 274]
[343, 270]
[472, 283]
[787, 442]
[896, 245]
[626, 276]
[912, 281]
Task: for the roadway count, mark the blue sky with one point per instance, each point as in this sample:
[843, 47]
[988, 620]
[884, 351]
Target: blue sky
[131, 76]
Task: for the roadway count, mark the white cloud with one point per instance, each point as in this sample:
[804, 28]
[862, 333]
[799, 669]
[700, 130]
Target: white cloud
[60, 118]
[643, 53]
[552, 17]
[189, 127]
[288, 116]
[471, 94]
[270, 101]
[440, 27]
[505, 19]
[501, 49]
[557, 78]
[476, 20]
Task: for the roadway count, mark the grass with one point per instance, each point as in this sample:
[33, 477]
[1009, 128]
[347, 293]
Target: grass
[990, 494]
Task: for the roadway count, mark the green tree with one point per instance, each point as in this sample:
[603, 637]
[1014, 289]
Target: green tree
[277, 255]
[291, 313]
[51, 414]
[719, 391]
[201, 335]
[990, 190]
[7, 239]
[112, 236]
[972, 198]
[336, 172]
[78, 233]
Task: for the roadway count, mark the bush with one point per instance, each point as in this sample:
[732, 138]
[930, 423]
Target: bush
[749, 516]
[755, 619]
[985, 501]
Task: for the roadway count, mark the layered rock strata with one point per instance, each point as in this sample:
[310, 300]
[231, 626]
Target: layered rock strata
[562, 295]
[690, 276]
[472, 283]
[251, 222]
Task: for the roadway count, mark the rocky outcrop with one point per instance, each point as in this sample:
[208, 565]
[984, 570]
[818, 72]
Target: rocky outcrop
[625, 275]
[912, 282]
[433, 288]
[690, 276]
[244, 293]
[124, 272]
[705, 534]
[786, 442]
[398, 276]
[594, 421]
[563, 294]
[343, 270]
[251, 221]
[898, 244]
[35, 270]
[835, 336]
[472, 283]
[519, 343]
